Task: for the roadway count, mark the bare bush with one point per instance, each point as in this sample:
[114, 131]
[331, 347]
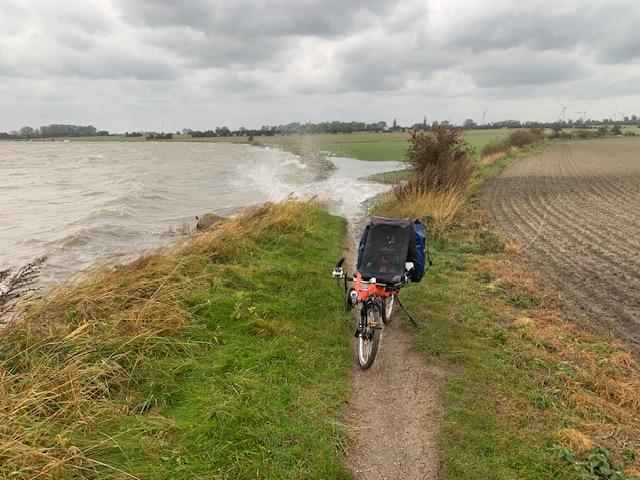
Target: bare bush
[522, 138]
[438, 146]
[494, 147]
[440, 161]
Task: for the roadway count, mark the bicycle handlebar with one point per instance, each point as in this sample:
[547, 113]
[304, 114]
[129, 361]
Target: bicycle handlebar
[339, 273]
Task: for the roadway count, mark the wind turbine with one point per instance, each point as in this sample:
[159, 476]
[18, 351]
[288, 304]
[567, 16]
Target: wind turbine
[484, 115]
[584, 114]
[564, 109]
[622, 114]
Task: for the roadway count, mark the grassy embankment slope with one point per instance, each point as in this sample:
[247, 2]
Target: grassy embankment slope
[228, 358]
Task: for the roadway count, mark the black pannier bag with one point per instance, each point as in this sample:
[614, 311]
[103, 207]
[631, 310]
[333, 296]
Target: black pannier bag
[386, 244]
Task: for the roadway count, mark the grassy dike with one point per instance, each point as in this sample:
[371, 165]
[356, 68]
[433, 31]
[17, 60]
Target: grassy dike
[225, 357]
[228, 357]
[529, 396]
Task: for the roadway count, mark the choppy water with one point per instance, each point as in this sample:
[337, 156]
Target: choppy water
[79, 203]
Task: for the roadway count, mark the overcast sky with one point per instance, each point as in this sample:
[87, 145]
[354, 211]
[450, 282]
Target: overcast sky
[147, 65]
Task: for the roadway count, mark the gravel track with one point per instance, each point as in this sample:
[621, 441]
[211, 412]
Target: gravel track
[395, 410]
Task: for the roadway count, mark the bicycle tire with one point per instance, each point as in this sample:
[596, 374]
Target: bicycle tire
[368, 338]
[388, 306]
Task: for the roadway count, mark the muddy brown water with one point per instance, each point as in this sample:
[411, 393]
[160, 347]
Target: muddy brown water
[82, 202]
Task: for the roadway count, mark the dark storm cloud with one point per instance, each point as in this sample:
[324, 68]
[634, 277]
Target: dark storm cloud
[618, 42]
[607, 30]
[373, 67]
[75, 40]
[535, 30]
[514, 44]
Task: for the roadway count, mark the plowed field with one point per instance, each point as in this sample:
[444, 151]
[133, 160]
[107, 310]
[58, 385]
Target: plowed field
[574, 210]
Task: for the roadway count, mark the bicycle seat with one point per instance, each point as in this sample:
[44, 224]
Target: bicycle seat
[385, 250]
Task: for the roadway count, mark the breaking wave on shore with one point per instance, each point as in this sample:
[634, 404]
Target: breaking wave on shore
[79, 203]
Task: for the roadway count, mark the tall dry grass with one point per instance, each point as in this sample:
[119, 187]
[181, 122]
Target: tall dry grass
[441, 171]
[437, 209]
[594, 380]
[92, 350]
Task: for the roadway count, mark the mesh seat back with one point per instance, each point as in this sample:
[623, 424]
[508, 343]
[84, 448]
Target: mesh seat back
[385, 250]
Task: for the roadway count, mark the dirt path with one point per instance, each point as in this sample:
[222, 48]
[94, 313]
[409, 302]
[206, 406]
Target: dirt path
[395, 411]
[574, 210]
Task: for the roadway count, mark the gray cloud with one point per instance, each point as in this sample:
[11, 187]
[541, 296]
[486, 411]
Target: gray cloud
[116, 63]
[520, 67]
[255, 19]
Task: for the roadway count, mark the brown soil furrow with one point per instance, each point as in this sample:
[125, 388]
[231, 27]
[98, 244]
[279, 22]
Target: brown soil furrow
[591, 267]
[594, 217]
[566, 210]
[505, 203]
[587, 281]
[574, 211]
[589, 228]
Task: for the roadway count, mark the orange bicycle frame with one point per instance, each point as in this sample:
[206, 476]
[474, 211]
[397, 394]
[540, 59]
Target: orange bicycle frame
[372, 290]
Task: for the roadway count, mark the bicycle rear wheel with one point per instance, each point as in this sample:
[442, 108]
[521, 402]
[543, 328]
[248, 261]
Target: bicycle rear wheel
[388, 305]
[368, 337]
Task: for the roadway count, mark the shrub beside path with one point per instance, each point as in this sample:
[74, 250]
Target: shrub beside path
[395, 410]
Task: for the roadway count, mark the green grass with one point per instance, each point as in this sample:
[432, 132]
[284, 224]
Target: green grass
[464, 331]
[479, 138]
[265, 402]
[231, 359]
[227, 357]
[509, 394]
[385, 146]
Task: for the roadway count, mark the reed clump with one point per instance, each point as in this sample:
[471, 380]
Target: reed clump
[16, 286]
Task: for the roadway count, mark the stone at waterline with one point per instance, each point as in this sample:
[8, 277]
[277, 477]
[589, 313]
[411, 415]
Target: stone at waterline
[208, 220]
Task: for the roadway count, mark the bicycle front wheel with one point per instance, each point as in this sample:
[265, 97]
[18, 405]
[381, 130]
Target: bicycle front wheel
[368, 339]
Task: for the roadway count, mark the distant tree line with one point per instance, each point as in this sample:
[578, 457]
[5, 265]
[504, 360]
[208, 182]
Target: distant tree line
[160, 136]
[53, 131]
[470, 124]
[297, 128]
